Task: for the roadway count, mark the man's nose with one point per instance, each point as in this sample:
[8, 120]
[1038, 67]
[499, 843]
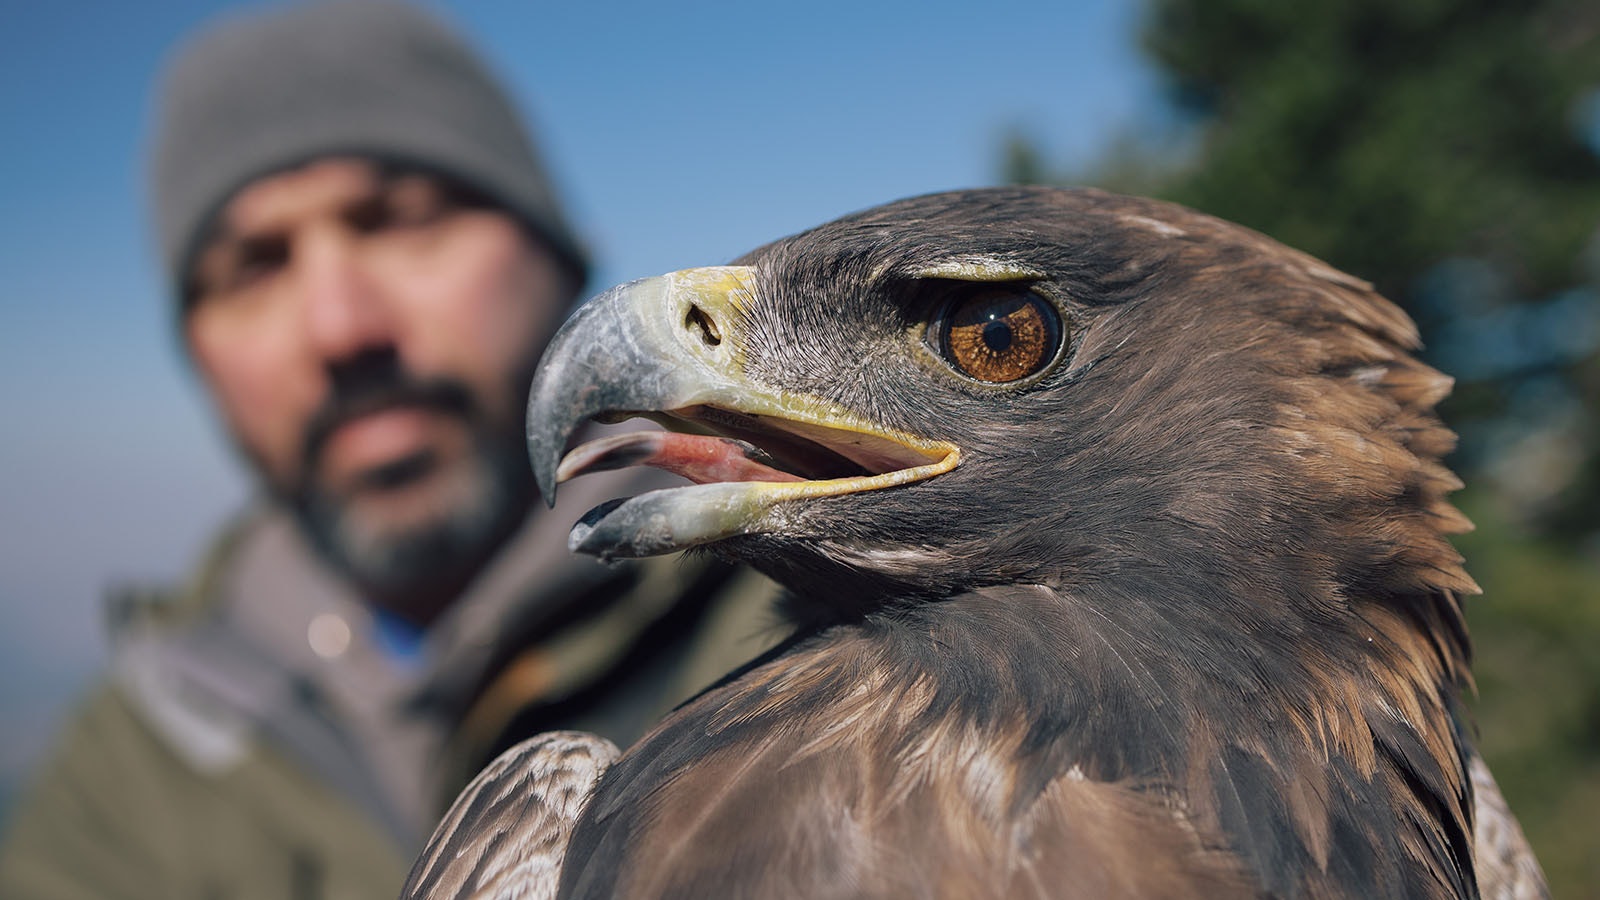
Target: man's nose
[346, 313]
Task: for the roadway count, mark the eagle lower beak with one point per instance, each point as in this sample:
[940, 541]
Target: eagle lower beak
[673, 349]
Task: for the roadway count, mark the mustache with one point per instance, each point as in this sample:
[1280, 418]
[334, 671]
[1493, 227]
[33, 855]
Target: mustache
[371, 384]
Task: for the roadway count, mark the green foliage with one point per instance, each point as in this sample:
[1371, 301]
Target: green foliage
[1387, 136]
[1446, 150]
[1449, 152]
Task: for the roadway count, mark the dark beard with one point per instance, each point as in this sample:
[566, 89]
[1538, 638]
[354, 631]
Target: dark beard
[418, 569]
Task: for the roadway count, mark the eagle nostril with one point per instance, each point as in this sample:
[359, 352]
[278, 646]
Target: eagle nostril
[700, 319]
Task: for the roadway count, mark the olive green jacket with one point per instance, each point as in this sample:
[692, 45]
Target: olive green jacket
[253, 740]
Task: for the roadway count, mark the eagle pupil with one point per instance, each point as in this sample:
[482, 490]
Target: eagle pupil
[997, 335]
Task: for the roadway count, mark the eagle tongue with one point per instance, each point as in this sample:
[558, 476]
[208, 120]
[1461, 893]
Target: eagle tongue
[701, 458]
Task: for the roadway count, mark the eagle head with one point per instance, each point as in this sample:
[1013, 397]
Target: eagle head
[1017, 385]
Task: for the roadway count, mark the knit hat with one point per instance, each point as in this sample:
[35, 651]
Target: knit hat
[268, 92]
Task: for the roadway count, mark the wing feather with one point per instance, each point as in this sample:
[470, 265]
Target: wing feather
[1507, 869]
[505, 836]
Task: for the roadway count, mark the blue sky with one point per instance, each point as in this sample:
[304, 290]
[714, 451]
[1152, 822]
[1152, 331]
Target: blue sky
[683, 134]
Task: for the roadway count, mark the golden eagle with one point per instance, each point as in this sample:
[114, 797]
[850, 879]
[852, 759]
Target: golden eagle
[1115, 545]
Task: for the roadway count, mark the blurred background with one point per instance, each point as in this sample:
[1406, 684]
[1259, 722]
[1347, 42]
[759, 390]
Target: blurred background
[1447, 150]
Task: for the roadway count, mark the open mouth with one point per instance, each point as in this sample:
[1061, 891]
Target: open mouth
[709, 445]
[746, 469]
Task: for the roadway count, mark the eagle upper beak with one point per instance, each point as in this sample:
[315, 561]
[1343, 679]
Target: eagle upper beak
[673, 349]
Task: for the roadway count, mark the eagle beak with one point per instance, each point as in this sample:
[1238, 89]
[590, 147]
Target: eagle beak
[672, 349]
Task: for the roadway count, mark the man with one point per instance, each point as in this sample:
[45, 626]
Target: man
[367, 259]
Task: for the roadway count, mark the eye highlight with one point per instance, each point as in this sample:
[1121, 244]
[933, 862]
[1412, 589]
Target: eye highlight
[999, 335]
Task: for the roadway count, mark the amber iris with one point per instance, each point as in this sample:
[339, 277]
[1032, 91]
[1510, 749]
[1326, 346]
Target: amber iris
[1000, 337]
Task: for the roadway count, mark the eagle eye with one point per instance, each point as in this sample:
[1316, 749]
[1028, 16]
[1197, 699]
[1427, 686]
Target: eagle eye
[997, 335]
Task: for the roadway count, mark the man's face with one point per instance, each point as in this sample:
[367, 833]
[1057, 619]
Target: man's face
[368, 337]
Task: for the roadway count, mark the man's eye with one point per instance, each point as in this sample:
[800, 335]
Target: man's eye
[370, 215]
[243, 265]
[407, 203]
[254, 268]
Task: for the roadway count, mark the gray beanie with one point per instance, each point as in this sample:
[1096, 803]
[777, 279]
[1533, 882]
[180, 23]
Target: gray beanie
[381, 80]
